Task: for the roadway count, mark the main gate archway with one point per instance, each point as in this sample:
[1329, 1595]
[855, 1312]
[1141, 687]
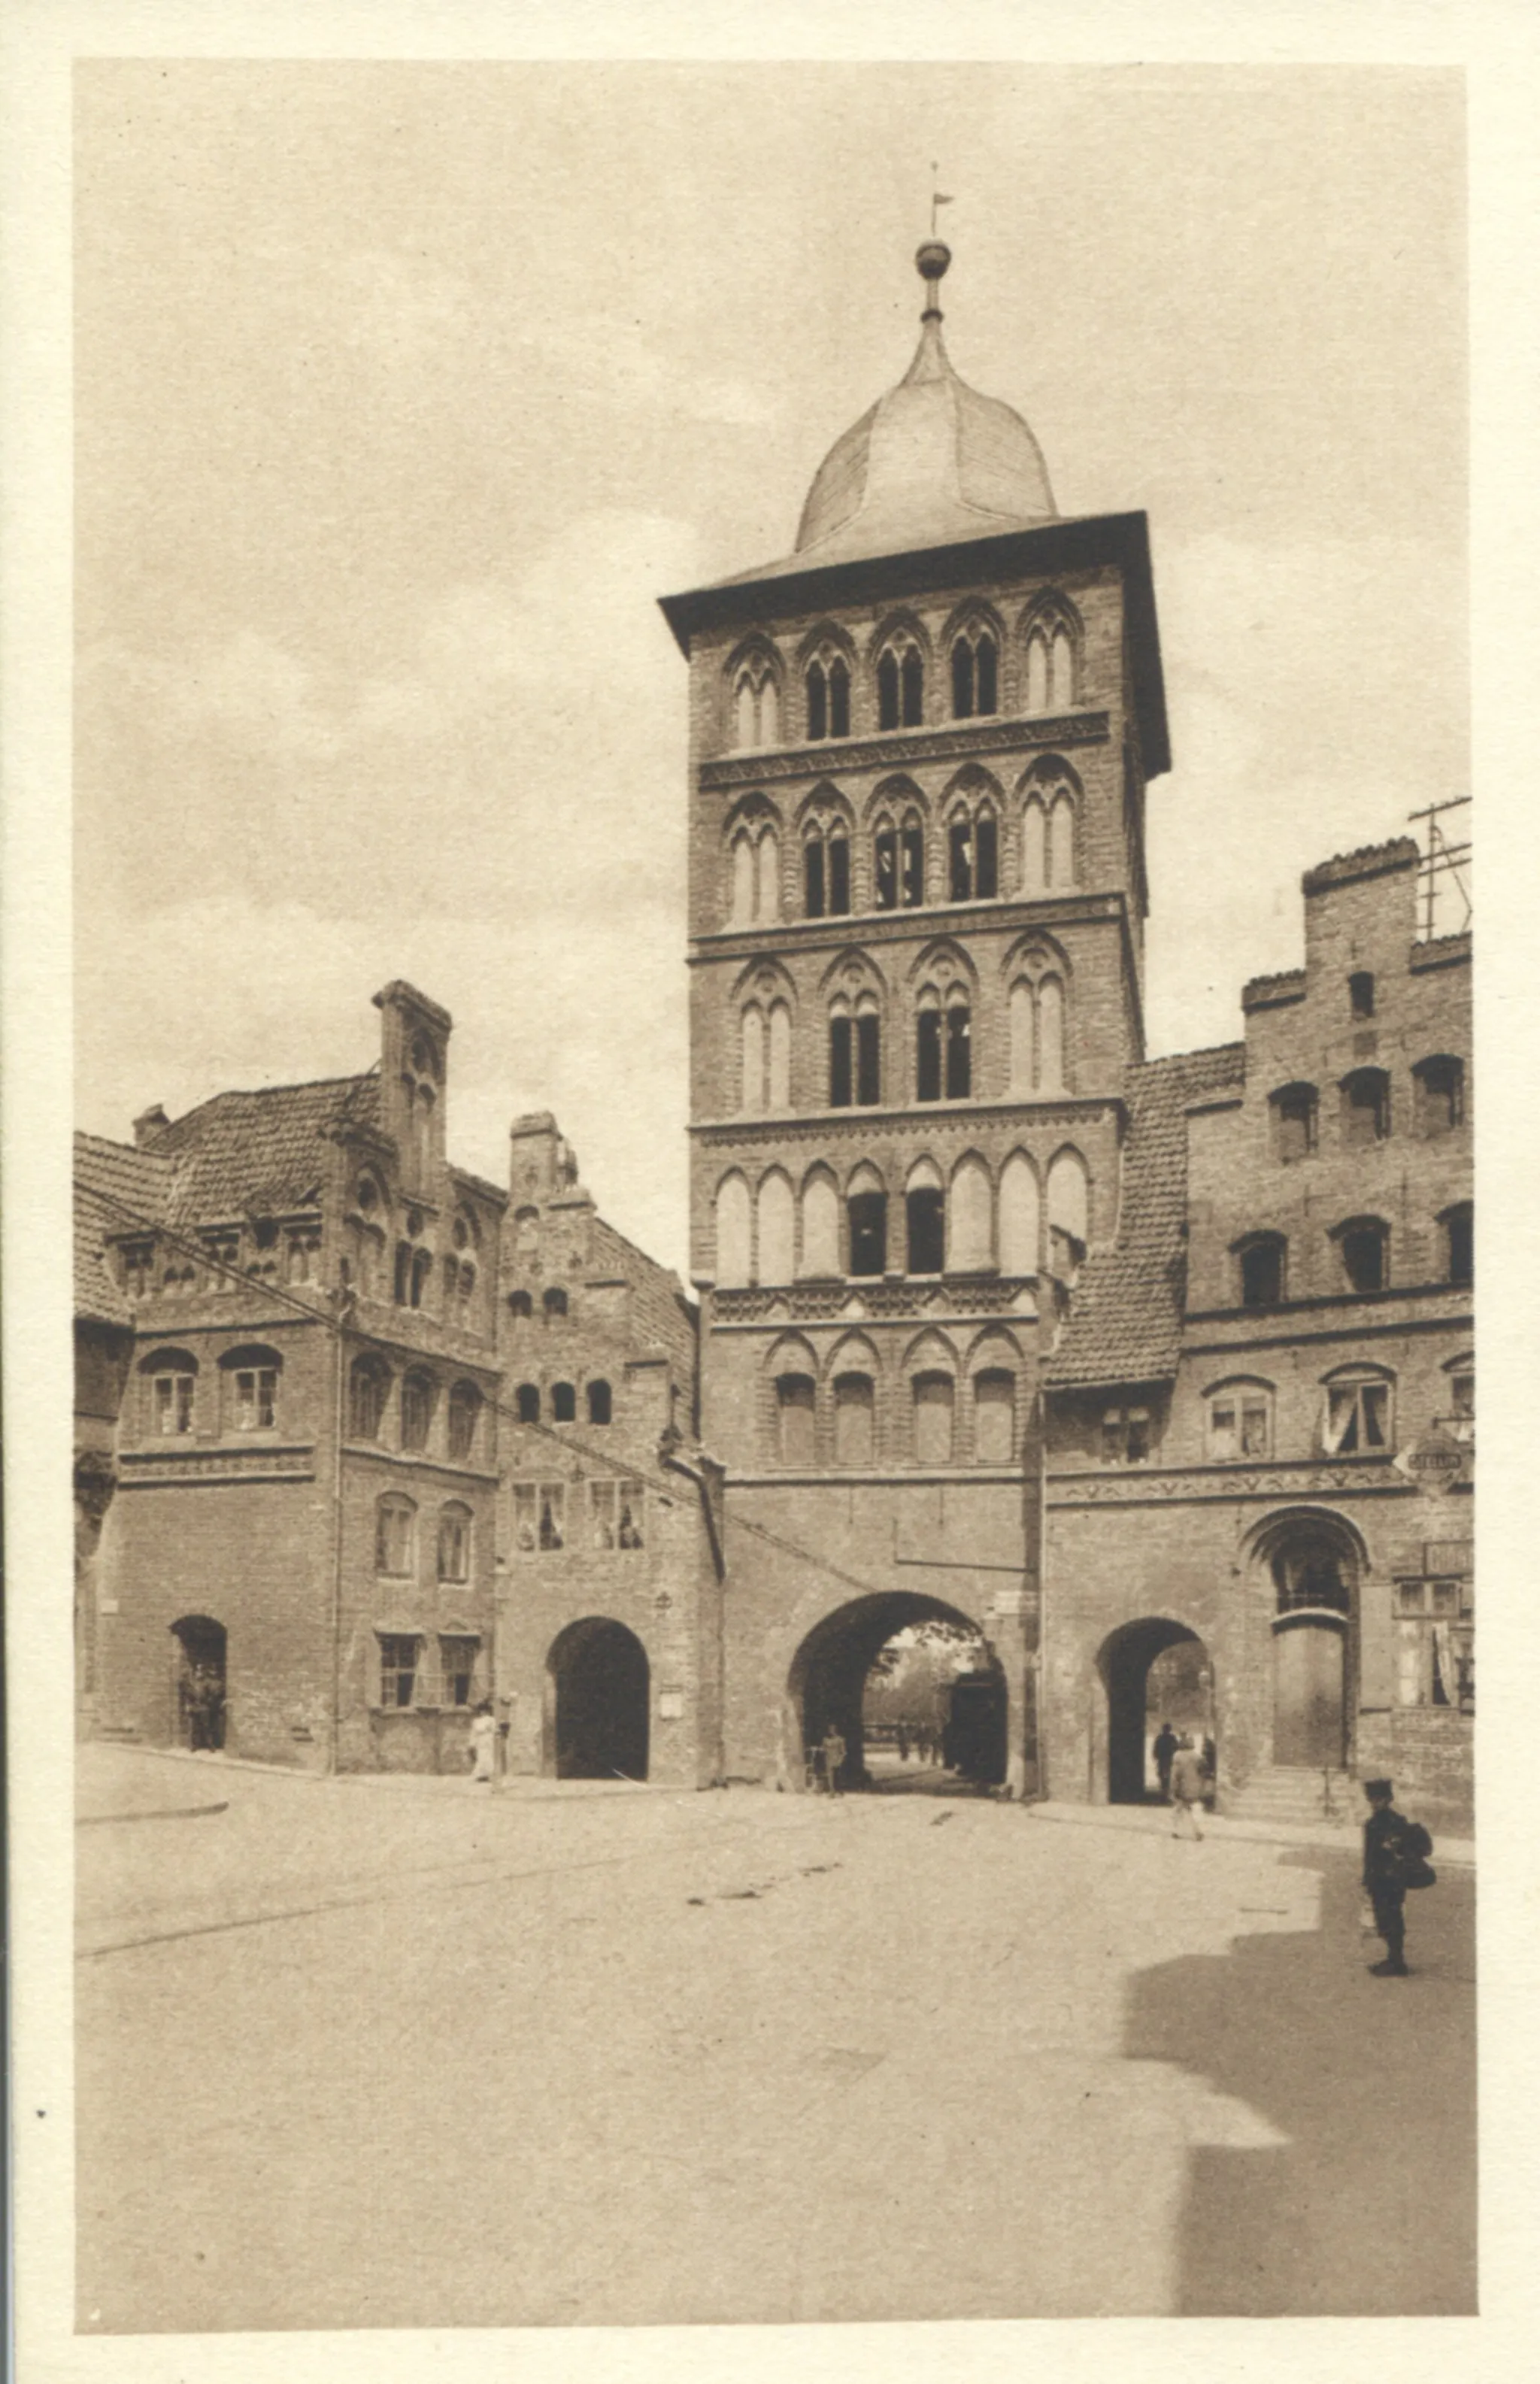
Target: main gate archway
[599, 1694]
[827, 1682]
[1182, 1681]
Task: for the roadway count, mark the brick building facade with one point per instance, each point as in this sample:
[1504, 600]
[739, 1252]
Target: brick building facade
[1154, 1375]
[298, 1481]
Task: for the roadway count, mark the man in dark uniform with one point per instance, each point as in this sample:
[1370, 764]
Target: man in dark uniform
[1166, 1743]
[1391, 1844]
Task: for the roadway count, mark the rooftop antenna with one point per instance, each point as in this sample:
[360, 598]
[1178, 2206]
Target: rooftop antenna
[1444, 858]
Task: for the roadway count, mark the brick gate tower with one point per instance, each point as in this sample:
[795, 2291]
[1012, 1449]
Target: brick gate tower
[919, 749]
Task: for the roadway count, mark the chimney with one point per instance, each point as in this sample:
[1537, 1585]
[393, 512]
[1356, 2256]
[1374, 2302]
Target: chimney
[149, 1125]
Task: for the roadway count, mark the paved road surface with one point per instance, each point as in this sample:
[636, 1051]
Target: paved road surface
[378, 2054]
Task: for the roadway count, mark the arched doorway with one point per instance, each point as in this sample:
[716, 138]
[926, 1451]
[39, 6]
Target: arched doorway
[198, 1683]
[1314, 1562]
[1152, 1670]
[599, 1697]
[915, 1690]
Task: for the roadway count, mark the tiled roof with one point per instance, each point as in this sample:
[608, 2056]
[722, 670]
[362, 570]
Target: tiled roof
[1124, 1323]
[660, 1310]
[114, 1185]
[258, 1154]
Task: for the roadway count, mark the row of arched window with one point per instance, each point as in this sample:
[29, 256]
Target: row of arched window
[962, 1224]
[228, 1257]
[554, 1305]
[241, 1397]
[598, 1402]
[850, 1413]
[412, 1274]
[895, 676]
[396, 1534]
[409, 1406]
[1364, 1109]
[1361, 1255]
[884, 869]
[940, 1062]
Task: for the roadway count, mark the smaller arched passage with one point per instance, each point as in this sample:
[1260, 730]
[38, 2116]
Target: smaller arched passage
[199, 1683]
[598, 1690]
[1152, 1670]
[829, 1684]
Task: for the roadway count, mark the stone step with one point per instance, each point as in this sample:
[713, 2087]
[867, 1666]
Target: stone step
[1291, 1796]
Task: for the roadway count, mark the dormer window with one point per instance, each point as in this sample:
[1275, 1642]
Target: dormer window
[1125, 1435]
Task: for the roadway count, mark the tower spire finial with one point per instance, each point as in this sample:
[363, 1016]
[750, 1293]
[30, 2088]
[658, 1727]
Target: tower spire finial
[933, 255]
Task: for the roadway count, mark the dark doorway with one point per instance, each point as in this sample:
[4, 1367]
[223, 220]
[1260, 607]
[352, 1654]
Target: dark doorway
[599, 1674]
[914, 1691]
[1155, 1671]
[1309, 1716]
[198, 1661]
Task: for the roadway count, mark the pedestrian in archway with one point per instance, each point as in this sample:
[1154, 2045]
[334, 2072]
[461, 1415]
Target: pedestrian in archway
[833, 1761]
[1187, 1790]
[1165, 1750]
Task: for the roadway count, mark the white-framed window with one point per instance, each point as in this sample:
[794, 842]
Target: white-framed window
[1359, 1413]
[171, 1376]
[458, 1656]
[1460, 1398]
[540, 1517]
[455, 1534]
[1239, 1422]
[395, 1521]
[399, 1663]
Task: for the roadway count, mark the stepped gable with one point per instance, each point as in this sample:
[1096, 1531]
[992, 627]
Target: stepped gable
[116, 1187]
[1124, 1323]
[262, 1153]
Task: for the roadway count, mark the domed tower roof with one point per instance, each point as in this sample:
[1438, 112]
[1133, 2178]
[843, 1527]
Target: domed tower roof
[930, 462]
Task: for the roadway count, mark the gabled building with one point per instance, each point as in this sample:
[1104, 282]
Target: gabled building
[1260, 1416]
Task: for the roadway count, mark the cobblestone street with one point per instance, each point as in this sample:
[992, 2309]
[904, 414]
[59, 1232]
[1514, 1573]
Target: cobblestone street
[370, 2053]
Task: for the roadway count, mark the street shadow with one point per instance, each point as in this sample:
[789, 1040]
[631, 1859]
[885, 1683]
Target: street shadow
[1369, 2207]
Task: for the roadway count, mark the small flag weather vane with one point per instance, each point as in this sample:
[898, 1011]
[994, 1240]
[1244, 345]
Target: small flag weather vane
[938, 198]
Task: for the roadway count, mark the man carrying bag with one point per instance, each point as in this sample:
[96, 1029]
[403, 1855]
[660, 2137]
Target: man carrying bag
[1396, 1856]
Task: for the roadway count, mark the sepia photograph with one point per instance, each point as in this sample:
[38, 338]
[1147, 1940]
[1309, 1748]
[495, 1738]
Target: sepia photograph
[774, 1088]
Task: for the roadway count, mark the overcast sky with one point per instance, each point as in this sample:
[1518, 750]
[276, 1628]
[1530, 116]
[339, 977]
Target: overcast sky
[403, 391]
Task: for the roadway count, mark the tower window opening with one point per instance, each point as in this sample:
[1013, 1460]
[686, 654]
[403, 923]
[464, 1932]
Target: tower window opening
[840, 699]
[912, 875]
[564, 1403]
[868, 1223]
[974, 675]
[959, 1051]
[962, 680]
[1460, 1253]
[527, 1399]
[1360, 993]
[1365, 1247]
[1365, 1108]
[887, 691]
[927, 1053]
[796, 1398]
[886, 856]
[813, 877]
[925, 1214]
[912, 685]
[840, 1055]
[1261, 1271]
[960, 848]
[817, 703]
[1294, 1123]
[840, 876]
[601, 1406]
[1440, 1095]
[868, 1054]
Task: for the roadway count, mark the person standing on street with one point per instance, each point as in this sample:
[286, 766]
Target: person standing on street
[1396, 1856]
[1187, 1790]
[483, 1742]
[1165, 1749]
[834, 1760]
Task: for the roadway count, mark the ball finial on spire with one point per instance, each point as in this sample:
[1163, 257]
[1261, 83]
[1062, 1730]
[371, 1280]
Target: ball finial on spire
[932, 258]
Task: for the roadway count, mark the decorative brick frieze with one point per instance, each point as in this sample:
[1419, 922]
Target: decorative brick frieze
[842, 1304]
[898, 751]
[1373, 1476]
[142, 1469]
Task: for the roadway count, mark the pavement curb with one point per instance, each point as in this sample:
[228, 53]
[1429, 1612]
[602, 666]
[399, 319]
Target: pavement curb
[1151, 1821]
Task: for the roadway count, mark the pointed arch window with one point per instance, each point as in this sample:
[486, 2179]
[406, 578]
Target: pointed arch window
[778, 1068]
[820, 1227]
[368, 1389]
[974, 674]
[756, 707]
[926, 1219]
[755, 890]
[826, 872]
[973, 855]
[1069, 1204]
[776, 1229]
[732, 1232]
[1049, 664]
[1049, 864]
[751, 1055]
[900, 685]
[829, 698]
[866, 1212]
[465, 1407]
[1020, 1216]
[417, 1397]
[970, 1219]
